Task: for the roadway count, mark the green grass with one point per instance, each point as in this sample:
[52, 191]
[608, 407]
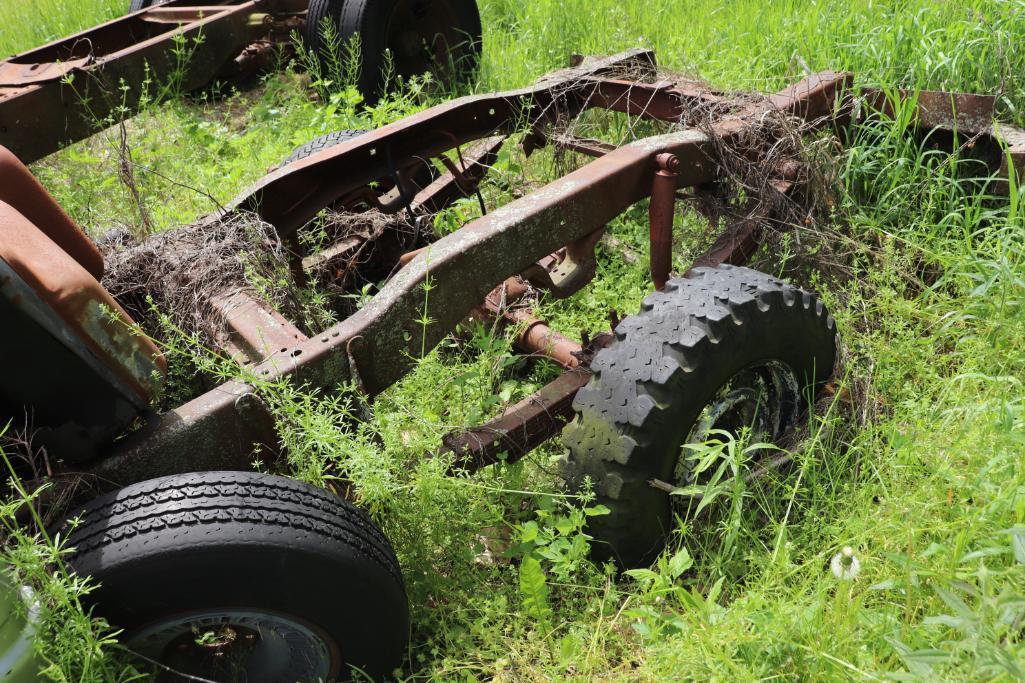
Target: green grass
[25, 25]
[918, 466]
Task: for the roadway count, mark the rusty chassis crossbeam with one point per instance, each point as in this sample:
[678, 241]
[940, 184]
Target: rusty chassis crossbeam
[229, 426]
[69, 89]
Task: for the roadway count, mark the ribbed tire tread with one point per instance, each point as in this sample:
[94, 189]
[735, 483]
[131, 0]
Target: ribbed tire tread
[218, 498]
[231, 542]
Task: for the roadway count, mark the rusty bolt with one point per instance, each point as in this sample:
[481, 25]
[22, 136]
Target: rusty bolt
[668, 162]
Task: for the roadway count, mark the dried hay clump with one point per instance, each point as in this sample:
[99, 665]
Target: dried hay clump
[182, 271]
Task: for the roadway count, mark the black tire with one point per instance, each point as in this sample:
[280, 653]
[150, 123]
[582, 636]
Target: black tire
[252, 560]
[451, 27]
[321, 143]
[704, 337]
[422, 176]
[137, 5]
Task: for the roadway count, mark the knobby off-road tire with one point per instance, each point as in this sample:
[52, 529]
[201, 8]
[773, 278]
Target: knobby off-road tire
[451, 28]
[244, 576]
[698, 343]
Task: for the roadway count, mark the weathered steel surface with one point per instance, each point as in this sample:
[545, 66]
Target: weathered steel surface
[663, 101]
[970, 116]
[24, 192]
[525, 425]
[228, 428]
[592, 148]
[536, 337]
[252, 329]
[968, 113]
[569, 270]
[1012, 141]
[69, 89]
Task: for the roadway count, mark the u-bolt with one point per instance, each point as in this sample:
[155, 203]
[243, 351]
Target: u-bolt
[660, 217]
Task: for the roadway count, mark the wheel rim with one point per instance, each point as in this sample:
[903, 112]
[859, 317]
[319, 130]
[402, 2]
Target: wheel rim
[424, 36]
[238, 645]
[763, 399]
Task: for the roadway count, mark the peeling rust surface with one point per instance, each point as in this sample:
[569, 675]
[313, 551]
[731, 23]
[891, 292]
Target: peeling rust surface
[254, 330]
[968, 113]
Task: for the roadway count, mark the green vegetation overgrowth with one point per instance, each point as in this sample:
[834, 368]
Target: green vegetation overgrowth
[917, 463]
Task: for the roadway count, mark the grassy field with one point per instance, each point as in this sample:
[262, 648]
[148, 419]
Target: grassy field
[918, 465]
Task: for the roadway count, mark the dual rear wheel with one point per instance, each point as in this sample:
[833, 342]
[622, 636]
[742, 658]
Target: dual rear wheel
[381, 40]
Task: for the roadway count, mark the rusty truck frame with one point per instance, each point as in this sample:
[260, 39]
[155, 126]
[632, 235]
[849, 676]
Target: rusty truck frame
[544, 241]
[547, 237]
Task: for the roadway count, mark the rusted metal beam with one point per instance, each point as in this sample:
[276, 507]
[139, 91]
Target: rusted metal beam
[252, 329]
[522, 428]
[969, 113]
[337, 253]
[593, 148]
[291, 196]
[739, 241]
[228, 428]
[663, 101]
[525, 425]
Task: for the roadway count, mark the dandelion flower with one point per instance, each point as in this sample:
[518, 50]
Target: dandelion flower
[845, 565]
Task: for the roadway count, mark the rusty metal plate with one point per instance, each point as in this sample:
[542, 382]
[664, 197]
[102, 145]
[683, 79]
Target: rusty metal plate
[16, 75]
[968, 113]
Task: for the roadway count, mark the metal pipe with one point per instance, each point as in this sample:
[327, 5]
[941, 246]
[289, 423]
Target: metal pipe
[536, 337]
[660, 217]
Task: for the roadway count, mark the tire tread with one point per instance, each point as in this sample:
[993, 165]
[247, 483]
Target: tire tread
[617, 432]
